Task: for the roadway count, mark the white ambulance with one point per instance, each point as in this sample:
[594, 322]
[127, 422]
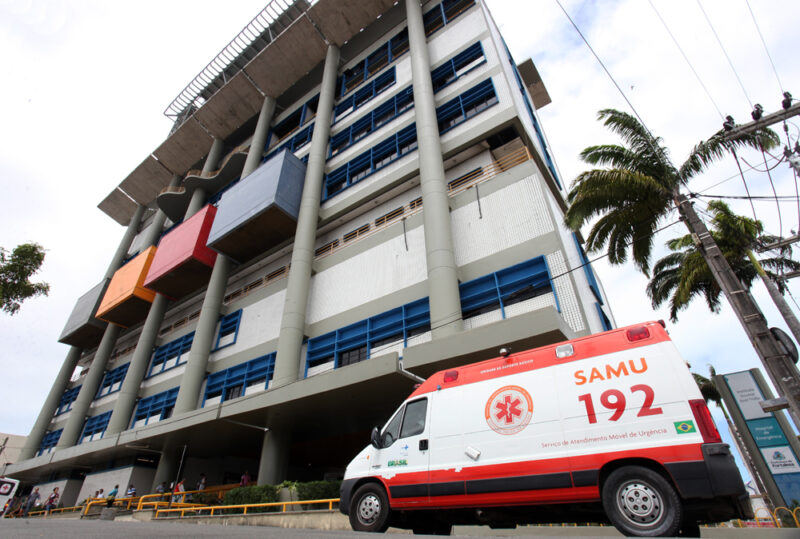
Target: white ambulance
[8, 487]
[610, 427]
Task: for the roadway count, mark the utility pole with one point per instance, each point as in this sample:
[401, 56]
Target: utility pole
[778, 365]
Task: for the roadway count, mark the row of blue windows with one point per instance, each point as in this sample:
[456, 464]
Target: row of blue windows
[383, 114]
[67, 399]
[175, 353]
[446, 74]
[49, 441]
[393, 49]
[587, 269]
[536, 127]
[462, 108]
[156, 407]
[364, 95]
[95, 427]
[112, 381]
[498, 290]
[452, 113]
[235, 381]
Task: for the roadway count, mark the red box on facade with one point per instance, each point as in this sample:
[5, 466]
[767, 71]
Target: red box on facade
[183, 262]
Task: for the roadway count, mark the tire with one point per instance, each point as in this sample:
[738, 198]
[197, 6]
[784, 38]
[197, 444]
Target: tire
[369, 509]
[641, 503]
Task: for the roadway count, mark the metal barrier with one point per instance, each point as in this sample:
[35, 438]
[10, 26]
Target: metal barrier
[156, 500]
[209, 510]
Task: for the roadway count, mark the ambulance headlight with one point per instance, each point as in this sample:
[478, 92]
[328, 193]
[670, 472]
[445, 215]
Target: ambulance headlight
[564, 350]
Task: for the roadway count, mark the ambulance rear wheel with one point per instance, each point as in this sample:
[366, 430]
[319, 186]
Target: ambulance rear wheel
[640, 502]
[369, 509]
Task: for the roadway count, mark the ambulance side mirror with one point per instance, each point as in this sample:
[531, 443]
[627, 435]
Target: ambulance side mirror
[375, 438]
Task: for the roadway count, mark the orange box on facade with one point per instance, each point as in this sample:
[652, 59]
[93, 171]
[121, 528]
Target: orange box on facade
[183, 262]
[127, 301]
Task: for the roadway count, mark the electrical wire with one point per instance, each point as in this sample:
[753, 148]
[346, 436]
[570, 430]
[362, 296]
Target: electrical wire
[765, 45]
[663, 22]
[774, 192]
[722, 181]
[609, 76]
[767, 168]
[757, 198]
[744, 181]
[730, 63]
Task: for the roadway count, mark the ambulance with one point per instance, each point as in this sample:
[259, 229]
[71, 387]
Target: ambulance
[8, 487]
[605, 428]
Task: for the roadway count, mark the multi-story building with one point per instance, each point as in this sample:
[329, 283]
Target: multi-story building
[354, 195]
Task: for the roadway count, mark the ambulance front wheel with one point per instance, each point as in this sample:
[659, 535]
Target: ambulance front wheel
[640, 502]
[369, 509]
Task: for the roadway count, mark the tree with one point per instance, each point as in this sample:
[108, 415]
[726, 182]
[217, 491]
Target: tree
[641, 186]
[683, 275]
[16, 269]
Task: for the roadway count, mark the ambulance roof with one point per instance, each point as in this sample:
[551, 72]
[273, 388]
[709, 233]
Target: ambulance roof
[626, 338]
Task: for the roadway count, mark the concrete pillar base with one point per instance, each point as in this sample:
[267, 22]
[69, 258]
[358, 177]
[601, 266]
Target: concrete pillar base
[274, 458]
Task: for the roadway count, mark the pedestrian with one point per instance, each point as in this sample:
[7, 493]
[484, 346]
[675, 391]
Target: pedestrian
[33, 497]
[100, 494]
[52, 501]
[201, 485]
[177, 492]
[96, 494]
[111, 495]
[131, 491]
[245, 480]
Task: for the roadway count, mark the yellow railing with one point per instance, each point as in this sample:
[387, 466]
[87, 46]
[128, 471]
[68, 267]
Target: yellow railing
[157, 500]
[209, 510]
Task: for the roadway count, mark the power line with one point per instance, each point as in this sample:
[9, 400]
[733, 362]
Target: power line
[730, 63]
[687, 60]
[757, 198]
[765, 45]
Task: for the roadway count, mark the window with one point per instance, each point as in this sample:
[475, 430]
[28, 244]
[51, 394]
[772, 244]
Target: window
[69, 397]
[462, 108]
[228, 329]
[112, 381]
[170, 355]
[95, 427]
[371, 121]
[603, 318]
[464, 179]
[353, 234]
[49, 441]
[364, 94]
[289, 125]
[392, 430]
[327, 249]
[416, 203]
[414, 419]
[357, 341]
[388, 217]
[587, 269]
[370, 161]
[155, 408]
[240, 380]
[458, 66]
[505, 287]
[444, 13]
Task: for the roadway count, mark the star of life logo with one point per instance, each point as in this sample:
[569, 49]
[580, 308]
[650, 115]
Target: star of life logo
[509, 410]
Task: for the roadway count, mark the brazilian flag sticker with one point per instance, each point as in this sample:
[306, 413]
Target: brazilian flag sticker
[684, 427]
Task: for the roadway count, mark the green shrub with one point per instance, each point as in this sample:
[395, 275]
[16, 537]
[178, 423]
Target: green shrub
[252, 494]
[318, 490]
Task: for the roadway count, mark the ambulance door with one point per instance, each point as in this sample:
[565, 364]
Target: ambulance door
[402, 459]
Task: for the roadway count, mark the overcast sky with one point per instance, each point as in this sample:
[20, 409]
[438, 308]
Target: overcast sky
[85, 83]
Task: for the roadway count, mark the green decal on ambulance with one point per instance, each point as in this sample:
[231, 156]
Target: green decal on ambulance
[684, 427]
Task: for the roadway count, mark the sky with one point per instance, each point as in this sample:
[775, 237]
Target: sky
[85, 83]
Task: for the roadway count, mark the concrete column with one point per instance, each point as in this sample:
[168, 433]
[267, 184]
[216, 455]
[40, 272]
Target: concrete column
[34, 439]
[259, 137]
[91, 383]
[126, 398]
[125, 243]
[274, 461]
[212, 160]
[74, 424]
[445, 300]
[293, 320]
[196, 364]
[167, 466]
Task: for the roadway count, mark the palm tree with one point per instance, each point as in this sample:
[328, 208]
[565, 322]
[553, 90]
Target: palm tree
[641, 186]
[684, 274]
[639, 190]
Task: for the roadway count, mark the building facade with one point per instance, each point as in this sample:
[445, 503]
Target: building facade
[353, 195]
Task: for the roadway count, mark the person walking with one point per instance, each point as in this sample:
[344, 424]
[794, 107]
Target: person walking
[177, 492]
[33, 497]
[52, 502]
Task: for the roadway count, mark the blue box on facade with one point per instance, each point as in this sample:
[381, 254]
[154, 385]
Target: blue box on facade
[260, 211]
[83, 329]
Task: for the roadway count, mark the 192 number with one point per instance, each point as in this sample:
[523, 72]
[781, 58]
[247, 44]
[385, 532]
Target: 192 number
[613, 399]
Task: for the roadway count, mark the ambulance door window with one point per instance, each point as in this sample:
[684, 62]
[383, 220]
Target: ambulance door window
[414, 421]
[392, 430]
